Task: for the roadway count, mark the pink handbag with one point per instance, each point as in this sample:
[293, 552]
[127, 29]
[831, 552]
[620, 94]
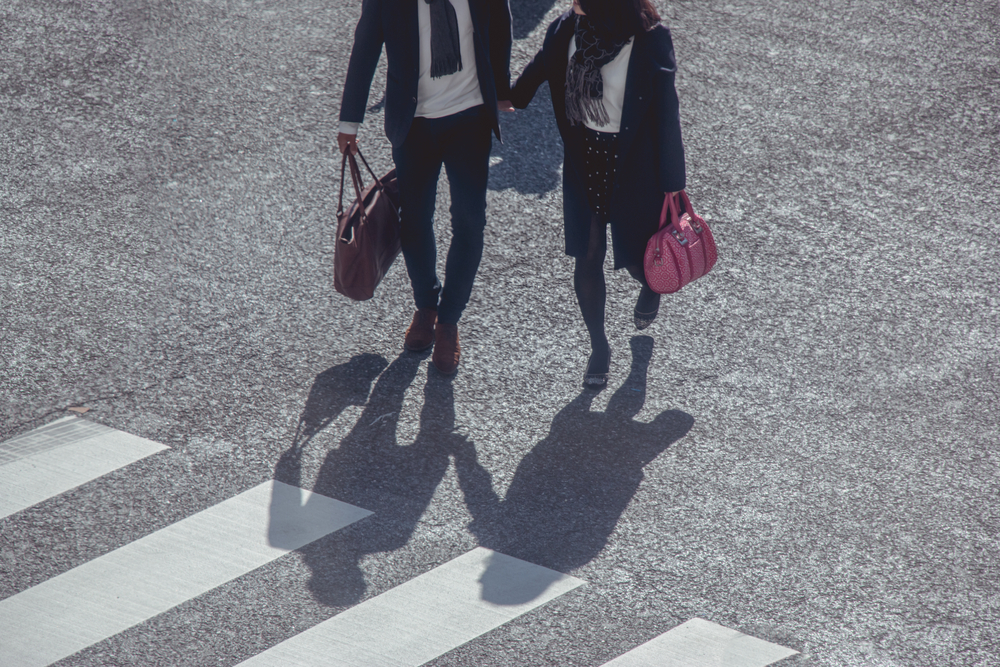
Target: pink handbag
[683, 249]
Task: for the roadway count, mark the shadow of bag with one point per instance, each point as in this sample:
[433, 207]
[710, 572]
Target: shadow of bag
[367, 234]
[682, 250]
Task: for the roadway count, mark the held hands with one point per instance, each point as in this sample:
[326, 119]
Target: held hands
[345, 141]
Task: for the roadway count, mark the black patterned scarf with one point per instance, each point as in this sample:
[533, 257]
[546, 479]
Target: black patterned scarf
[584, 85]
[446, 48]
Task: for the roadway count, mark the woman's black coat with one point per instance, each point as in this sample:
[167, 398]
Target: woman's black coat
[650, 152]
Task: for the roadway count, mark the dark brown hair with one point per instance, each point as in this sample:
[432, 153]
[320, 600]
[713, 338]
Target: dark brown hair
[621, 19]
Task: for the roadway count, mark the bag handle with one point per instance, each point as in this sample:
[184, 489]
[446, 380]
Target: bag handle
[673, 206]
[340, 201]
[356, 179]
[669, 214]
[695, 224]
[349, 161]
[378, 183]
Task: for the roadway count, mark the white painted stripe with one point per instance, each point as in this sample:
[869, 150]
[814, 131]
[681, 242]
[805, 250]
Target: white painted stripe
[701, 643]
[60, 456]
[149, 576]
[425, 617]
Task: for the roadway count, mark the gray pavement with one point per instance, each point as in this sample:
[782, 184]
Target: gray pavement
[803, 448]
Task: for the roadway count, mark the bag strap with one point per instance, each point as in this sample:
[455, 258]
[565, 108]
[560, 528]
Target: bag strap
[349, 161]
[669, 214]
[378, 183]
[358, 185]
[349, 158]
[695, 224]
[340, 201]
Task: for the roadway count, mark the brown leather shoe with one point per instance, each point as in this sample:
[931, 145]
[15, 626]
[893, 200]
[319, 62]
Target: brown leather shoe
[446, 348]
[420, 334]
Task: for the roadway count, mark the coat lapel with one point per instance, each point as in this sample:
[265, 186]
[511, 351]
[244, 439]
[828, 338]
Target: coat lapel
[557, 66]
[637, 94]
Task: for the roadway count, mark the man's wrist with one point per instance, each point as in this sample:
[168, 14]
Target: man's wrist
[349, 128]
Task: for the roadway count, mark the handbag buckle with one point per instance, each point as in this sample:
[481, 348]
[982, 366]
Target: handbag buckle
[679, 237]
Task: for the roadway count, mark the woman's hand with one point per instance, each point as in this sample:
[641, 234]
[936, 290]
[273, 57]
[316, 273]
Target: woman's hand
[346, 141]
[505, 105]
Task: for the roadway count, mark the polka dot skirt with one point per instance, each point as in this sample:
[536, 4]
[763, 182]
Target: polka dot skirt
[600, 155]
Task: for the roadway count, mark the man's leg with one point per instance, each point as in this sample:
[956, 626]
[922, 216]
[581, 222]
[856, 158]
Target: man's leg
[418, 164]
[467, 162]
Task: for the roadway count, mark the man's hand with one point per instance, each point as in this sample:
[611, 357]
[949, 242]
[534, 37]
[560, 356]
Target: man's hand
[346, 141]
[505, 105]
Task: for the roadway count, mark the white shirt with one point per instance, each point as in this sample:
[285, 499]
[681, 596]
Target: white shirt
[456, 92]
[449, 94]
[614, 75]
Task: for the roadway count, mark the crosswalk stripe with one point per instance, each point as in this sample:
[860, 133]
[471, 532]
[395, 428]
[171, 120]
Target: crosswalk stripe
[701, 643]
[62, 455]
[425, 617]
[155, 573]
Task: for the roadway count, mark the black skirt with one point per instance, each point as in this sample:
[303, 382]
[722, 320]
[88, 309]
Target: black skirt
[600, 155]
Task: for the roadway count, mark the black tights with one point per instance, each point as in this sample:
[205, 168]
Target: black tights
[591, 289]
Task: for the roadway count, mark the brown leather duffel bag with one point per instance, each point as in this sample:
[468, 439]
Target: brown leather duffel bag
[367, 234]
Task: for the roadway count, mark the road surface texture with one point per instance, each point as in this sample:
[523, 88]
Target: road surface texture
[804, 448]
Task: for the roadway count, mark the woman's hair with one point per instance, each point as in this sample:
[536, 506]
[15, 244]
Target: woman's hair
[621, 18]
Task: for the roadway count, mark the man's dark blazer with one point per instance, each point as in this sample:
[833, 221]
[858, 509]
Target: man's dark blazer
[394, 23]
[650, 152]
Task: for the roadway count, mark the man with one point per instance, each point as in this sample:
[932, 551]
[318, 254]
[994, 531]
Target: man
[448, 74]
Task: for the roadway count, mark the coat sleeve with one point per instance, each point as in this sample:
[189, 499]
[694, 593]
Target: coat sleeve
[368, 40]
[527, 84]
[671, 148]
[535, 74]
[501, 38]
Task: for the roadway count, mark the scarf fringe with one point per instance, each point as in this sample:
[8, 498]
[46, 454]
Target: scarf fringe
[445, 66]
[585, 95]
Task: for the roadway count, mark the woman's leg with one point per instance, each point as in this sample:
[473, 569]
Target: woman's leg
[591, 294]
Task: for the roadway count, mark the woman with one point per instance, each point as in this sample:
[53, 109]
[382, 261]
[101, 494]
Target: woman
[610, 68]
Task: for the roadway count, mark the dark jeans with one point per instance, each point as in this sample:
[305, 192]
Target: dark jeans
[461, 142]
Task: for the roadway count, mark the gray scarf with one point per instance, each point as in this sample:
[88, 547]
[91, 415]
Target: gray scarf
[446, 49]
[584, 84]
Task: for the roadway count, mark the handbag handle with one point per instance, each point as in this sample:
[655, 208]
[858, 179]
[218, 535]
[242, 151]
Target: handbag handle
[358, 186]
[673, 205]
[694, 220]
[669, 214]
[356, 177]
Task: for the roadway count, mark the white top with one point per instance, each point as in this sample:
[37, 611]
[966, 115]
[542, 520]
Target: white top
[437, 98]
[445, 95]
[614, 75]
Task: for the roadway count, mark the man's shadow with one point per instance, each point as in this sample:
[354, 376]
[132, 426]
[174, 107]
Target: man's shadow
[369, 469]
[570, 491]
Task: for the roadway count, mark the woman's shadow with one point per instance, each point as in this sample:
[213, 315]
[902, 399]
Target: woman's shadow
[570, 491]
[369, 469]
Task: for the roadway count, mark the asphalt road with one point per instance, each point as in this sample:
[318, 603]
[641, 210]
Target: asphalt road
[804, 447]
